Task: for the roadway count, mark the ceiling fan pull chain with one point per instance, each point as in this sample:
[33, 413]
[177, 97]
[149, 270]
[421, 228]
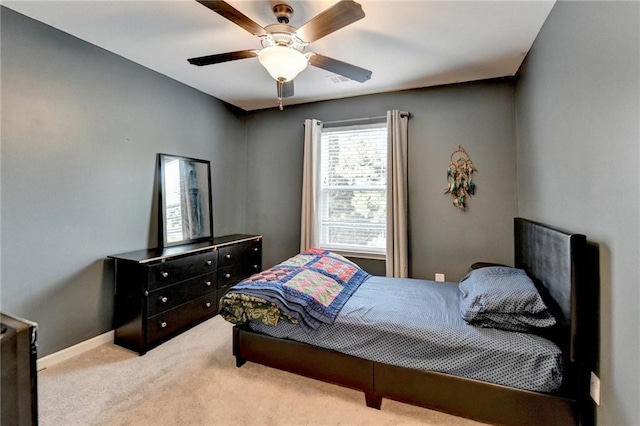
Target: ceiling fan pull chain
[280, 93]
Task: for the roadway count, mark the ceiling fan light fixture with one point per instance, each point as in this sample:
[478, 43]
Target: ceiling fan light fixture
[282, 63]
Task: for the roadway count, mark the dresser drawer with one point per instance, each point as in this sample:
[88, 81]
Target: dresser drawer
[230, 275]
[177, 318]
[247, 251]
[171, 296]
[173, 271]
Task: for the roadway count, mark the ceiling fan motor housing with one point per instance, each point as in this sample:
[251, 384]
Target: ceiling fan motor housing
[283, 13]
[282, 35]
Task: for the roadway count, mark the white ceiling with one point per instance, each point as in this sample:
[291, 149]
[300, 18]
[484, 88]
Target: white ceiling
[407, 44]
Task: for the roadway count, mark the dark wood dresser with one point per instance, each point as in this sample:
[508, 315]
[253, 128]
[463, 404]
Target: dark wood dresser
[160, 293]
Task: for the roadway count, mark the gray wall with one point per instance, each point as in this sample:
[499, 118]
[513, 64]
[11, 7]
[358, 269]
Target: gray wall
[80, 131]
[479, 116]
[578, 167]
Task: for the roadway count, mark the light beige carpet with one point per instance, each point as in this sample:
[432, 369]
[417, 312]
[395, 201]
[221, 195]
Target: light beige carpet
[192, 380]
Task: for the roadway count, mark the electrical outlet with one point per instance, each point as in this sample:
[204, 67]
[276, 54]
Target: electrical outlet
[594, 388]
[439, 277]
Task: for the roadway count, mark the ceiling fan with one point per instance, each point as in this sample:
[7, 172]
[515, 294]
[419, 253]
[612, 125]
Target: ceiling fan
[283, 45]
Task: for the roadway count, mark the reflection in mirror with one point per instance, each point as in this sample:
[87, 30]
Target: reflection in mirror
[185, 200]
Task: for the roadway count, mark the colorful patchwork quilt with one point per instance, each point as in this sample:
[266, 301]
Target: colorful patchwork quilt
[308, 289]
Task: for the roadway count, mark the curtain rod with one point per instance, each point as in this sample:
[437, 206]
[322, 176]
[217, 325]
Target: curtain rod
[356, 120]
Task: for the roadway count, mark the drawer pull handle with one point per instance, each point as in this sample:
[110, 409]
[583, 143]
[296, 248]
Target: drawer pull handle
[227, 275]
[208, 283]
[163, 324]
[208, 304]
[255, 249]
[227, 256]
[255, 266]
[208, 263]
[164, 299]
[164, 274]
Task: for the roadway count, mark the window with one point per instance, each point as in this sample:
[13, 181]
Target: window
[352, 205]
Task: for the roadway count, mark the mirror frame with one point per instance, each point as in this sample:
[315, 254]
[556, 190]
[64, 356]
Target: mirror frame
[162, 228]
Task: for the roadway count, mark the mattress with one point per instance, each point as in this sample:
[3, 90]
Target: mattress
[417, 324]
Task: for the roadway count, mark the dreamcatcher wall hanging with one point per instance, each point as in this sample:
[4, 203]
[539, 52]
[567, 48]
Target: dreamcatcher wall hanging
[460, 178]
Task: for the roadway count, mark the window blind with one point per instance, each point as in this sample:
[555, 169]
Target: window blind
[353, 188]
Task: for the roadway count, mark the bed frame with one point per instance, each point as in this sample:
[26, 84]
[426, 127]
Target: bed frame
[564, 267]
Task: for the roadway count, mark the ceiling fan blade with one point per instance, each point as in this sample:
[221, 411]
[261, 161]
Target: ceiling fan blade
[225, 10]
[332, 19]
[222, 57]
[347, 70]
[287, 89]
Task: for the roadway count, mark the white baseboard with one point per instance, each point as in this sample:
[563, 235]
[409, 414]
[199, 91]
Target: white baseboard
[70, 352]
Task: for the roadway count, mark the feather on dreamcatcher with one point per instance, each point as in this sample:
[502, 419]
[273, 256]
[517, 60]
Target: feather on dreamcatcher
[460, 178]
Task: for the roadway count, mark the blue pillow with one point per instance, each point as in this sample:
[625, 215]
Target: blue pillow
[503, 297]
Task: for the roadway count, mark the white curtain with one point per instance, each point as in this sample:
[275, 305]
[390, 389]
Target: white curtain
[397, 241]
[312, 135]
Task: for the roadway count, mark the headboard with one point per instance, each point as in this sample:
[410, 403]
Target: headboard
[557, 261]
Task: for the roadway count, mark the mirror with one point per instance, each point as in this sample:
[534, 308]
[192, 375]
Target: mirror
[185, 200]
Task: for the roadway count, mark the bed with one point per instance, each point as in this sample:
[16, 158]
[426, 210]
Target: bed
[563, 269]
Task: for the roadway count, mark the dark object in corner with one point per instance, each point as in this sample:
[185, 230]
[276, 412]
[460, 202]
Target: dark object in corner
[479, 265]
[19, 376]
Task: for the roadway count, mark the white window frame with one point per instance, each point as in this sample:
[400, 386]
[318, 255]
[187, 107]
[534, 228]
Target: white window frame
[323, 222]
